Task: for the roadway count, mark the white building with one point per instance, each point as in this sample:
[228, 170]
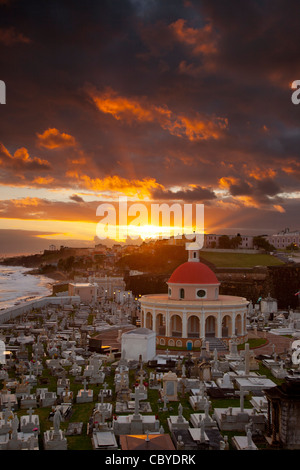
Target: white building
[139, 342]
[284, 238]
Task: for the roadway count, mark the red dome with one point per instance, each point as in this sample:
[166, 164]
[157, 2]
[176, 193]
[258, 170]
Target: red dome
[193, 273]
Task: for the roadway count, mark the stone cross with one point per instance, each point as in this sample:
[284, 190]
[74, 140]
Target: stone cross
[30, 412]
[206, 409]
[166, 400]
[242, 393]
[201, 426]
[84, 385]
[137, 397]
[15, 426]
[101, 393]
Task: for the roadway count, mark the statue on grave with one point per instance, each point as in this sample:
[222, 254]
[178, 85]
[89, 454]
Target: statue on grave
[56, 421]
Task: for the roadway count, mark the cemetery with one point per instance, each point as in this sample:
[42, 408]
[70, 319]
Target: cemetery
[59, 392]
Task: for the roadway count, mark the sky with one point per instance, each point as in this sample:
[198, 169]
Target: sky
[185, 102]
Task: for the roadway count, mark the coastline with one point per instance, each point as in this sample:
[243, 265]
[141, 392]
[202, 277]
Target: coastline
[17, 289]
[54, 275]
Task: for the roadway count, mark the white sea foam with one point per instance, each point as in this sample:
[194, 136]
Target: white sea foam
[16, 285]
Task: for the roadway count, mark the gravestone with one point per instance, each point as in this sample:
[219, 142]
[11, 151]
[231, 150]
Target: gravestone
[30, 423]
[169, 390]
[177, 422]
[84, 395]
[54, 439]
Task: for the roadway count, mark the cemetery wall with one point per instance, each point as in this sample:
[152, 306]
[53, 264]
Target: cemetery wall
[17, 310]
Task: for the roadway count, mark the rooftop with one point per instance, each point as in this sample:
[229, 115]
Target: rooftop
[193, 273]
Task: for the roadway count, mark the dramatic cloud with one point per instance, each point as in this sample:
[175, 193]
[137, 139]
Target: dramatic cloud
[131, 109]
[184, 100]
[21, 160]
[52, 139]
[116, 185]
[197, 194]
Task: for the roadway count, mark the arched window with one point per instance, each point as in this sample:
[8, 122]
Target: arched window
[181, 293]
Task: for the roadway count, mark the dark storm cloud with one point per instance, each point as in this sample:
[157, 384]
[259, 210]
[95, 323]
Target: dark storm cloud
[195, 194]
[231, 62]
[76, 198]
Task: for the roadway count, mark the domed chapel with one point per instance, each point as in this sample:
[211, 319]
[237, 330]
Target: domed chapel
[193, 311]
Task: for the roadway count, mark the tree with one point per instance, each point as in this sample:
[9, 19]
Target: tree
[224, 241]
[261, 242]
[236, 241]
[292, 247]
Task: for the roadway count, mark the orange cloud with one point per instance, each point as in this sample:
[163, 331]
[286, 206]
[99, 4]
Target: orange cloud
[198, 129]
[202, 41]
[226, 182]
[259, 173]
[129, 109]
[279, 208]
[131, 188]
[43, 180]
[25, 202]
[292, 168]
[249, 201]
[21, 160]
[52, 139]
[110, 103]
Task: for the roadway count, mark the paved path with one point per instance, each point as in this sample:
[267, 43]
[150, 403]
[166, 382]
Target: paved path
[281, 343]
[109, 338]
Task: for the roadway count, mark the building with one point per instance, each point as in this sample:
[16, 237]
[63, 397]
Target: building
[107, 286]
[193, 310]
[86, 291]
[211, 240]
[284, 238]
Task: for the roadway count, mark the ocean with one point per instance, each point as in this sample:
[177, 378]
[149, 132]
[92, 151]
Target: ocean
[17, 286]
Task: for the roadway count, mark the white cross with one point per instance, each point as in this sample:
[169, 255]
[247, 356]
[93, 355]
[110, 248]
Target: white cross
[242, 393]
[30, 412]
[137, 397]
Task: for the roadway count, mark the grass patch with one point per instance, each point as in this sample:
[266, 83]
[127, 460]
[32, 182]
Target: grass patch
[265, 371]
[240, 260]
[253, 343]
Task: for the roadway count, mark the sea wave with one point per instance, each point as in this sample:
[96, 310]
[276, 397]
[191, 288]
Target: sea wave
[17, 286]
